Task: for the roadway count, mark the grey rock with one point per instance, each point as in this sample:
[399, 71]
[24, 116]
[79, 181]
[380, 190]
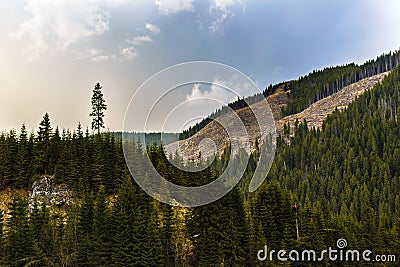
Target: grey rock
[45, 190]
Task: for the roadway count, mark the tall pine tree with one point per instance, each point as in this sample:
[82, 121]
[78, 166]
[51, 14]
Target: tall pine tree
[98, 108]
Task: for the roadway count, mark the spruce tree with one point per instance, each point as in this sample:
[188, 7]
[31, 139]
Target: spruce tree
[44, 144]
[85, 230]
[24, 159]
[11, 158]
[101, 242]
[98, 108]
[21, 248]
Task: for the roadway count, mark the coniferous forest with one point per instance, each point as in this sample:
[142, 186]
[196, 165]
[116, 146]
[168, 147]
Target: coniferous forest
[340, 181]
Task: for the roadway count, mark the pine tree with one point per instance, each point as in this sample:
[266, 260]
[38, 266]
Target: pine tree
[167, 235]
[54, 150]
[101, 243]
[24, 159]
[98, 108]
[136, 239]
[11, 158]
[43, 144]
[98, 161]
[85, 230]
[21, 248]
[219, 231]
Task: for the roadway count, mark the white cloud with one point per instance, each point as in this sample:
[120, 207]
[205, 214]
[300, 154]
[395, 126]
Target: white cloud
[168, 7]
[55, 24]
[223, 9]
[128, 53]
[92, 54]
[99, 58]
[97, 55]
[216, 25]
[216, 93]
[195, 93]
[225, 5]
[114, 3]
[153, 28]
[139, 40]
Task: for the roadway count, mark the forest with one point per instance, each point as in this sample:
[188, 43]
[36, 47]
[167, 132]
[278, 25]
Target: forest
[340, 181]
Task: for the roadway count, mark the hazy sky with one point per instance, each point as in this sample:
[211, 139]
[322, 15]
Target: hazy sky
[53, 52]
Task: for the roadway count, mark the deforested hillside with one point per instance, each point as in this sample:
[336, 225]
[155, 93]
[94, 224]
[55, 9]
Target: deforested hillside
[320, 84]
[310, 88]
[214, 131]
[314, 115]
[317, 112]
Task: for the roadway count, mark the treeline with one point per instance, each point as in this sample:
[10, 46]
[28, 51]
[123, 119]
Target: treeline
[80, 160]
[148, 138]
[320, 84]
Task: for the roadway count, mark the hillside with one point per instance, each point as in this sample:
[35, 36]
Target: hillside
[315, 114]
[318, 111]
[308, 89]
[216, 132]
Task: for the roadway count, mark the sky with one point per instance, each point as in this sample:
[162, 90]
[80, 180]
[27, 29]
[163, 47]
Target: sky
[53, 52]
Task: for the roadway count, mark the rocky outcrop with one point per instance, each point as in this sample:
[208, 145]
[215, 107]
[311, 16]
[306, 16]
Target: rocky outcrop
[54, 195]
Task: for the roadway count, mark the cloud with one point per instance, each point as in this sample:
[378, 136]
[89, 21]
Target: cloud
[139, 40]
[215, 93]
[223, 9]
[225, 5]
[114, 3]
[92, 54]
[153, 28]
[168, 7]
[128, 53]
[98, 55]
[56, 24]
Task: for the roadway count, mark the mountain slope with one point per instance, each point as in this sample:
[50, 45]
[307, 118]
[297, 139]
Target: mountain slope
[190, 147]
[318, 111]
[314, 115]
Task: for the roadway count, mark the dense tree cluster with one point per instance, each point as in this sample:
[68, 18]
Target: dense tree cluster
[76, 158]
[349, 169]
